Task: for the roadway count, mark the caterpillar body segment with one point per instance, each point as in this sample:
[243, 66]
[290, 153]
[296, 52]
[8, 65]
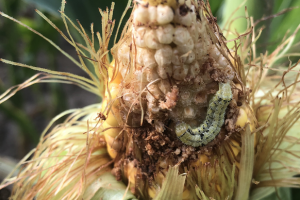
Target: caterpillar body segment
[213, 122]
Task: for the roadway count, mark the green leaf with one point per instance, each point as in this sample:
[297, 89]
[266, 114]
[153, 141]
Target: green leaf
[51, 6]
[287, 21]
[284, 193]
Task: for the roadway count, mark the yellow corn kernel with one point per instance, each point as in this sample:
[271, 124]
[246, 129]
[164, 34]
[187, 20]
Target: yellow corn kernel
[242, 118]
[117, 78]
[246, 116]
[130, 172]
[114, 91]
[114, 143]
[203, 159]
[113, 118]
[112, 132]
[111, 152]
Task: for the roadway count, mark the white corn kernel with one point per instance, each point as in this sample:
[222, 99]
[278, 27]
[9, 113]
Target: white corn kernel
[141, 15]
[181, 35]
[165, 34]
[200, 51]
[188, 46]
[183, 16]
[151, 74]
[149, 59]
[188, 58]
[183, 39]
[145, 58]
[222, 61]
[163, 56]
[141, 77]
[229, 72]
[139, 34]
[180, 71]
[194, 69]
[152, 10]
[193, 30]
[164, 14]
[175, 57]
[164, 86]
[155, 92]
[188, 3]
[151, 39]
[214, 52]
[165, 71]
[194, 17]
[181, 2]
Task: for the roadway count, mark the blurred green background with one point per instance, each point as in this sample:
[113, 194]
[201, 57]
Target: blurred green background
[23, 117]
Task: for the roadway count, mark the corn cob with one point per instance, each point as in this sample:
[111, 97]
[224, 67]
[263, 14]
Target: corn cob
[168, 66]
[167, 69]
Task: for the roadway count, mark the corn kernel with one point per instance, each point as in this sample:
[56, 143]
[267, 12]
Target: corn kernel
[151, 39]
[164, 14]
[117, 77]
[242, 118]
[202, 159]
[113, 119]
[165, 34]
[163, 56]
[112, 132]
[152, 14]
[185, 19]
[113, 142]
[111, 152]
[130, 172]
[141, 15]
[180, 72]
[139, 36]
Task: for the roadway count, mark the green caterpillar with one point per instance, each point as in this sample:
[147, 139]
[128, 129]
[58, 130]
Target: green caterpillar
[211, 126]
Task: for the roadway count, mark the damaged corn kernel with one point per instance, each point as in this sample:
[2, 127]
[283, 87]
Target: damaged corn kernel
[172, 63]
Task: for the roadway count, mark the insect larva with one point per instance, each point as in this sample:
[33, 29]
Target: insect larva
[211, 126]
